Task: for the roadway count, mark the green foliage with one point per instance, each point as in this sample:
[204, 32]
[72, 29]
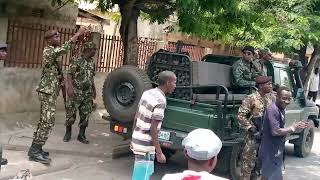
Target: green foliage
[284, 25]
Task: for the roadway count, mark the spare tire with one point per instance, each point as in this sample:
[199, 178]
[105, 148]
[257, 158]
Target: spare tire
[122, 91]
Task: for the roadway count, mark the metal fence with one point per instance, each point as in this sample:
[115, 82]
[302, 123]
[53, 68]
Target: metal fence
[110, 54]
[195, 52]
[26, 43]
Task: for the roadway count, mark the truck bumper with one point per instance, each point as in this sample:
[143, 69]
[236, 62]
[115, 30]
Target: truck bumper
[175, 140]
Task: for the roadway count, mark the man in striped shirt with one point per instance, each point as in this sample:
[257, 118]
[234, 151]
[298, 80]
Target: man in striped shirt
[145, 144]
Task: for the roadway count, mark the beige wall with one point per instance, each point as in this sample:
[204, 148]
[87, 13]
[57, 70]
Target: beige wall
[22, 10]
[18, 90]
[3, 29]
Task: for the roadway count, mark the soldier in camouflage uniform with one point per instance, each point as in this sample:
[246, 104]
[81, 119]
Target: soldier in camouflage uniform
[245, 70]
[81, 75]
[265, 55]
[250, 120]
[48, 91]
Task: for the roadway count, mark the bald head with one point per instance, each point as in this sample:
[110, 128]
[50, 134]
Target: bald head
[167, 81]
[164, 77]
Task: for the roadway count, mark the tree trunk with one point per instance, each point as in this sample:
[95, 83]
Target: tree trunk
[129, 32]
[116, 28]
[302, 54]
[311, 66]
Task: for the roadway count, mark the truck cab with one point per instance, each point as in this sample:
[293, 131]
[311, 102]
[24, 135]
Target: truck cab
[204, 98]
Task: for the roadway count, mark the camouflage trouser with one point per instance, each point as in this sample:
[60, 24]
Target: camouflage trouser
[83, 104]
[249, 168]
[47, 118]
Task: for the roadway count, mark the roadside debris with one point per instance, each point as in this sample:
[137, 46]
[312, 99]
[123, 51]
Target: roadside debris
[23, 175]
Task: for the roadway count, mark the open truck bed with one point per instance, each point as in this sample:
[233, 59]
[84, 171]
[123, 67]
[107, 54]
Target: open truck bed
[204, 98]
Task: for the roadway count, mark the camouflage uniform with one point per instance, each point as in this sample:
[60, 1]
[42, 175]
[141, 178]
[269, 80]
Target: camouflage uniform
[262, 67]
[244, 74]
[48, 90]
[82, 71]
[252, 107]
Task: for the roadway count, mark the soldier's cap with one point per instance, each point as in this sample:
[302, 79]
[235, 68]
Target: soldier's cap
[198, 147]
[263, 79]
[3, 46]
[89, 45]
[265, 51]
[50, 33]
[248, 48]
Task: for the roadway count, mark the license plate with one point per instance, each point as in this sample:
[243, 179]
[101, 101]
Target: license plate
[163, 135]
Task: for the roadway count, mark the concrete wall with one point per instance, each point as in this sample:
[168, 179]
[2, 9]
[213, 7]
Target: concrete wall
[3, 29]
[17, 86]
[41, 11]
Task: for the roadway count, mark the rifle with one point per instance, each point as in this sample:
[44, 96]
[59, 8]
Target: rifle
[62, 83]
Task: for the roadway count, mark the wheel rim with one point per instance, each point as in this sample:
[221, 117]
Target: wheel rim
[125, 93]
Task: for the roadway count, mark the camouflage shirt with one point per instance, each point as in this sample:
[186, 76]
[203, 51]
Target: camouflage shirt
[253, 106]
[262, 67]
[244, 74]
[82, 71]
[49, 82]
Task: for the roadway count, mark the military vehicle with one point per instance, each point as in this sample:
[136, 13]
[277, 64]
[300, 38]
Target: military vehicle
[204, 98]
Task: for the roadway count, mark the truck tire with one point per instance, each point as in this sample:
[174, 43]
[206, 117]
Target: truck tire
[122, 90]
[304, 144]
[235, 161]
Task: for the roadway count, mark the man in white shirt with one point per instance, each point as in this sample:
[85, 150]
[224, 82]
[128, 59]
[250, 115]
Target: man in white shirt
[201, 155]
[314, 85]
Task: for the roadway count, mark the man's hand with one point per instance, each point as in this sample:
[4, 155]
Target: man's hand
[252, 130]
[69, 87]
[161, 158]
[299, 126]
[83, 30]
[70, 91]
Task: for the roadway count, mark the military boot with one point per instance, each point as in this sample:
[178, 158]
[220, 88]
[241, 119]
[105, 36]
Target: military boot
[36, 154]
[82, 137]
[67, 136]
[44, 153]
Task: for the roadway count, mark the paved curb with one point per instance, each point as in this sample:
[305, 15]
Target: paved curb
[53, 169]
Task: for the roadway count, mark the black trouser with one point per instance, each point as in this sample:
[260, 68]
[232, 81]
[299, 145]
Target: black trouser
[313, 95]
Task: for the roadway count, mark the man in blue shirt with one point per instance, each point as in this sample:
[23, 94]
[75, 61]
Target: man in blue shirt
[274, 134]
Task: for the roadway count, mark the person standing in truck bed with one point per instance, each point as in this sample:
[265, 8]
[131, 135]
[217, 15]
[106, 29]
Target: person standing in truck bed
[245, 70]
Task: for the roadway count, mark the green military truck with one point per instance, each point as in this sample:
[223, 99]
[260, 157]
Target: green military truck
[204, 98]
